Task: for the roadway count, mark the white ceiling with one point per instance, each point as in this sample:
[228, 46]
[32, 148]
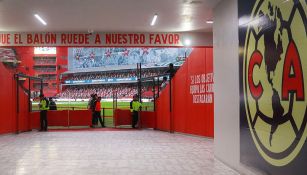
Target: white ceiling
[106, 15]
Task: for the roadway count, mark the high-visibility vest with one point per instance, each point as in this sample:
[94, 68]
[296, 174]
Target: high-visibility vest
[135, 106]
[43, 105]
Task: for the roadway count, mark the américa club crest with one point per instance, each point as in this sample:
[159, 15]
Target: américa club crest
[275, 79]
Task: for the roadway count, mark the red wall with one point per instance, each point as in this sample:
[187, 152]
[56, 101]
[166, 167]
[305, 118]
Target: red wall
[62, 63]
[63, 118]
[8, 103]
[123, 117]
[188, 117]
[26, 55]
[162, 109]
[24, 123]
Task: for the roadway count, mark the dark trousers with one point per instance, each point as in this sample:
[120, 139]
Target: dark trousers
[98, 117]
[94, 118]
[135, 118]
[43, 120]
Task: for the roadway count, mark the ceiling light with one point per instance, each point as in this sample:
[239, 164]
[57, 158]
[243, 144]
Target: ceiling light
[209, 22]
[187, 42]
[154, 20]
[187, 11]
[40, 19]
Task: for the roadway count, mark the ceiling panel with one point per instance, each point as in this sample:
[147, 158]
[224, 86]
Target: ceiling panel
[106, 15]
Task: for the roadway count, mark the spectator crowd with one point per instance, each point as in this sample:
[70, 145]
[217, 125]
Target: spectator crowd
[126, 74]
[104, 91]
[122, 90]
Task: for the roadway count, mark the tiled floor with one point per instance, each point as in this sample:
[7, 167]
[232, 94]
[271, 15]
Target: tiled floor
[108, 152]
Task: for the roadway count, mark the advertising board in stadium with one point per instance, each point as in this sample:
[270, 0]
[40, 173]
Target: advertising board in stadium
[98, 81]
[103, 39]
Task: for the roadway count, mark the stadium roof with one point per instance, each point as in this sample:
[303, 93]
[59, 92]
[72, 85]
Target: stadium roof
[106, 15]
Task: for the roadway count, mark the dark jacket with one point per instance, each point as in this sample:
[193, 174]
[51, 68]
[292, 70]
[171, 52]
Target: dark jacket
[52, 105]
[171, 72]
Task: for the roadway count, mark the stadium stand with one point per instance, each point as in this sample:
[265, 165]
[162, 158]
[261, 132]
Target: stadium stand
[105, 91]
[124, 90]
[126, 74]
[45, 61]
[43, 70]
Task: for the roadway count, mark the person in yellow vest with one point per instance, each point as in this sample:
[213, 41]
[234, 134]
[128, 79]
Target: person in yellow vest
[135, 107]
[43, 107]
